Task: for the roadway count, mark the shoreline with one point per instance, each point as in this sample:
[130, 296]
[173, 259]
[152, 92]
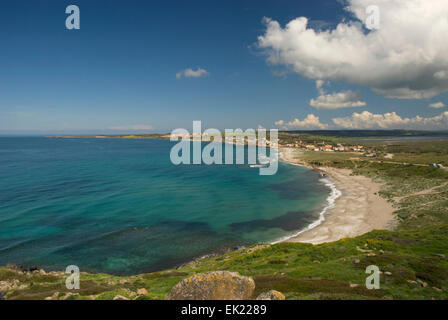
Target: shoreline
[354, 206]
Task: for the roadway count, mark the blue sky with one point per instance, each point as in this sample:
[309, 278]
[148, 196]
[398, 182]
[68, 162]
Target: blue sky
[118, 72]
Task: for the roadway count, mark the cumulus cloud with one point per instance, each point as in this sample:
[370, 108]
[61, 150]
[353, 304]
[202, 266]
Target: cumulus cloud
[368, 120]
[190, 73]
[135, 127]
[279, 123]
[310, 122]
[392, 120]
[437, 105]
[442, 75]
[406, 58]
[337, 100]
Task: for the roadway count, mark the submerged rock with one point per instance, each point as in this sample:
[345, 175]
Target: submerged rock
[271, 295]
[218, 285]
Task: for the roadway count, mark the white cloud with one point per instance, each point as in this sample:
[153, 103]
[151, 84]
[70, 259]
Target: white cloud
[437, 105]
[319, 85]
[442, 75]
[336, 100]
[135, 127]
[368, 120]
[190, 73]
[310, 122]
[406, 58]
[279, 123]
[392, 120]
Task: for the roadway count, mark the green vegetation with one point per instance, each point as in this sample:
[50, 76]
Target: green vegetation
[413, 263]
[413, 258]
[416, 152]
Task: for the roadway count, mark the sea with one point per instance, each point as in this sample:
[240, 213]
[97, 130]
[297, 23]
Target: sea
[119, 206]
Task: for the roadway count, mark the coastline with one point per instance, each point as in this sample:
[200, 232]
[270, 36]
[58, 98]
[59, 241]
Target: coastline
[354, 206]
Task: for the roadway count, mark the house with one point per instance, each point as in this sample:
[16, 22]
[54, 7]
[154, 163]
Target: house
[328, 148]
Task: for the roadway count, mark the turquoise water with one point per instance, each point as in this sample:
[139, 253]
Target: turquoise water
[119, 206]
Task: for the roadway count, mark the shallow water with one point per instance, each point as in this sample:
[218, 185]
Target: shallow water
[119, 205]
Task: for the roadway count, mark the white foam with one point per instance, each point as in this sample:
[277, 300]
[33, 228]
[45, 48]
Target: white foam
[331, 199]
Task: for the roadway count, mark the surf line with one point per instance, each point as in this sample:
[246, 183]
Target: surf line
[335, 193]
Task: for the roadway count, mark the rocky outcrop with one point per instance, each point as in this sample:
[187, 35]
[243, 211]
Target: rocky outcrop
[271, 295]
[142, 292]
[14, 284]
[218, 285]
[22, 268]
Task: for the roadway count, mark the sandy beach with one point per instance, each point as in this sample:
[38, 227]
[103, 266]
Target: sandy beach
[358, 210]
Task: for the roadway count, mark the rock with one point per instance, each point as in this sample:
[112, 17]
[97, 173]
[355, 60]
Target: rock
[21, 268]
[68, 295]
[362, 250]
[412, 282]
[354, 285]
[54, 296]
[5, 286]
[271, 295]
[42, 272]
[30, 269]
[119, 297]
[387, 273]
[257, 247]
[142, 292]
[357, 261]
[422, 283]
[217, 285]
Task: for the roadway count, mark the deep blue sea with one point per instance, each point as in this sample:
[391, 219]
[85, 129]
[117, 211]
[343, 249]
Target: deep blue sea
[120, 206]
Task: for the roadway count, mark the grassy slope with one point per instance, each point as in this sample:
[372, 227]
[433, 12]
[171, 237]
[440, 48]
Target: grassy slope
[412, 258]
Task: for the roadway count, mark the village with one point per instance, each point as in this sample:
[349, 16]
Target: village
[322, 146]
